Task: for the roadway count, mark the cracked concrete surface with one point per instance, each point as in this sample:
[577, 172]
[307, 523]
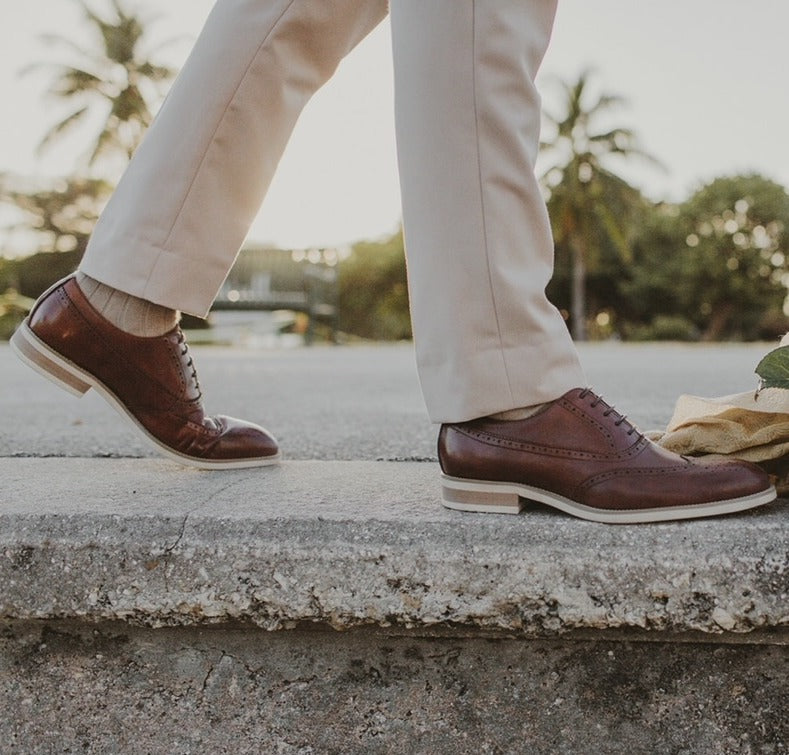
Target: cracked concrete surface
[363, 543]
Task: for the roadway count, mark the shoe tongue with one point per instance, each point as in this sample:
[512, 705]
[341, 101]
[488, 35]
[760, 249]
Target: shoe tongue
[192, 385]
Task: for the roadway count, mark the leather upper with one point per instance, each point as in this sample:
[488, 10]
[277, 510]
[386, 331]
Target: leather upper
[582, 449]
[154, 378]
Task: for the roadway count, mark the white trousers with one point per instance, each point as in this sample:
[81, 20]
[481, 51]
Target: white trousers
[478, 240]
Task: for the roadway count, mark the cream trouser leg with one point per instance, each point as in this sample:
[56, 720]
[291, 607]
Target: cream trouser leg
[175, 223]
[478, 239]
[480, 251]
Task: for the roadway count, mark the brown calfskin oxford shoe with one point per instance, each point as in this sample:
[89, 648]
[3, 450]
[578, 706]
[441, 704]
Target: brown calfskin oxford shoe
[581, 456]
[151, 382]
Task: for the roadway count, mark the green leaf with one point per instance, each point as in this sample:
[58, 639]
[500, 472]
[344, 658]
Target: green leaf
[774, 369]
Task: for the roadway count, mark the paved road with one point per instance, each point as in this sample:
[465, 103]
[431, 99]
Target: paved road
[350, 402]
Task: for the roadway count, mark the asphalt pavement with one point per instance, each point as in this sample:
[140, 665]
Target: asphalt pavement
[348, 402]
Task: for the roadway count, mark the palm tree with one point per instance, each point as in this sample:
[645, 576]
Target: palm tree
[588, 203]
[61, 214]
[119, 78]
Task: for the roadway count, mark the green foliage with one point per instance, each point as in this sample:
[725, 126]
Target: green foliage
[733, 259]
[591, 208]
[648, 285]
[13, 309]
[61, 216]
[603, 280]
[31, 276]
[663, 328]
[773, 370]
[373, 291]
[9, 322]
[719, 260]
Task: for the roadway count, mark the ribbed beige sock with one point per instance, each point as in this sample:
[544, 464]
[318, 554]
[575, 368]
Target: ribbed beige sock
[523, 413]
[126, 312]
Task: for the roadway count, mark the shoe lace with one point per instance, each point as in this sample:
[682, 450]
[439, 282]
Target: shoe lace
[609, 410]
[189, 362]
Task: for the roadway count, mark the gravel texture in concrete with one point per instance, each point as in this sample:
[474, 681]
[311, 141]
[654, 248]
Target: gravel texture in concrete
[353, 543]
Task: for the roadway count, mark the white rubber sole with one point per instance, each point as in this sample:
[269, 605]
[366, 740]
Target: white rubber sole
[510, 498]
[68, 376]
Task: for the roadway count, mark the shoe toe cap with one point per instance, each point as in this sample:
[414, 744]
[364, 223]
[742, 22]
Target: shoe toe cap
[239, 439]
[736, 478]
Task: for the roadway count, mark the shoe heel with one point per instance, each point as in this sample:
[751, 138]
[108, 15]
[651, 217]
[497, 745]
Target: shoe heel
[37, 355]
[482, 497]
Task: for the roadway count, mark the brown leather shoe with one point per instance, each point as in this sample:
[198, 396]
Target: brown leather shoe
[151, 382]
[582, 457]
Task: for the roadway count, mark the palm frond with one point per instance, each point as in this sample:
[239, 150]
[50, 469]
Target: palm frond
[113, 73]
[155, 72]
[75, 81]
[130, 105]
[613, 135]
[607, 102]
[104, 141]
[60, 128]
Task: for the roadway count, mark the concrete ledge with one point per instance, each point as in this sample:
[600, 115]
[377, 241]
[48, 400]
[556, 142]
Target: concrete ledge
[134, 599]
[363, 543]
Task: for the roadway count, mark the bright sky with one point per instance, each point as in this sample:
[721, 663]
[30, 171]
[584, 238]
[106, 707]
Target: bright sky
[707, 83]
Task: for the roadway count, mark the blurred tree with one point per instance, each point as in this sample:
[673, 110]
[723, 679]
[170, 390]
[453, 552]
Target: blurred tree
[648, 286]
[373, 292]
[116, 80]
[30, 276]
[60, 216]
[55, 221]
[607, 300]
[114, 75]
[590, 206]
[733, 254]
[13, 309]
[718, 261]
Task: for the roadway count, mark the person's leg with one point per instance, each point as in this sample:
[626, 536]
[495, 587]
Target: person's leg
[173, 227]
[478, 239]
[479, 255]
